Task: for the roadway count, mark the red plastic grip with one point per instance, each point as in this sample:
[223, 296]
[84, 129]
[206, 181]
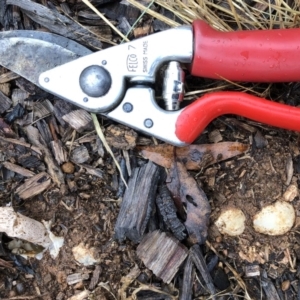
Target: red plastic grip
[250, 55]
[195, 117]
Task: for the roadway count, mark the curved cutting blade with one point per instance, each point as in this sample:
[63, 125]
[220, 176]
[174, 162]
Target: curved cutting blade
[29, 53]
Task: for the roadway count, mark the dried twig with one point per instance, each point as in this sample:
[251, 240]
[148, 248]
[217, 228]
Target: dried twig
[238, 278]
[153, 13]
[102, 138]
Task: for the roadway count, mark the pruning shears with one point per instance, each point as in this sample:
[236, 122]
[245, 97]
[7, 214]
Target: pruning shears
[118, 82]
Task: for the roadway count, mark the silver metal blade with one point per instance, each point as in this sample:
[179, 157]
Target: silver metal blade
[29, 53]
[48, 37]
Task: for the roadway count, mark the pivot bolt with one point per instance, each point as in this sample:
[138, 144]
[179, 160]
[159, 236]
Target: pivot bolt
[95, 81]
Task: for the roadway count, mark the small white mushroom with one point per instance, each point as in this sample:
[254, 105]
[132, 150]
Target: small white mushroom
[231, 221]
[275, 219]
[84, 255]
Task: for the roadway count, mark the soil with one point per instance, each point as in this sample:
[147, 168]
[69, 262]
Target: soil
[88, 215]
[85, 213]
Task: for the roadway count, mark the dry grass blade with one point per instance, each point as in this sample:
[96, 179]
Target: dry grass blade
[235, 14]
[105, 286]
[145, 287]
[236, 275]
[138, 19]
[8, 76]
[72, 141]
[102, 138]
[244, 89]
[92, 7]
[187, 95]
[179, 11]
[153, 13]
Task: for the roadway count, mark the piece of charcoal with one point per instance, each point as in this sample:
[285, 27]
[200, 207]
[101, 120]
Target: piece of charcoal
[168, 211]
[260, 141]
[269, 287]
[124, 25]
[152, 295]
[212, 261]
[159, 25]
[116, 11]
[29, 161]
[200, 264]
[220, 279]
[6, 18]
[138, 203]
[26, 85]
[8, 283]
[297, 164]
[97, 3]
[121, 185]
[2, 250]
[187, 286]
[21, 263]
[17, 113]
[3, 8]
[254, 288]
[44, 131]
[62, 108]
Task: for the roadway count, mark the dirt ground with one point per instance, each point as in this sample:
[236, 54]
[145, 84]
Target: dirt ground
[84, 212]
[88, 215]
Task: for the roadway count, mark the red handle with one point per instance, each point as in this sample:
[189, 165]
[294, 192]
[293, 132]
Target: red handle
[195, 117]
[250, 55]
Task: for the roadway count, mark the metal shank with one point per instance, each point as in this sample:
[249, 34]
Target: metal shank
[136, 61]
[139, 111]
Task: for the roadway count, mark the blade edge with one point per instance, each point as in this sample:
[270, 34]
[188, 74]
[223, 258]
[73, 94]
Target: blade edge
[30, 57]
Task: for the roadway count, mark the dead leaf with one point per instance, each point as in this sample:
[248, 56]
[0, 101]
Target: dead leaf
[120, 137]
[6, 129]
[142, 31]
[6, 264]
[195, 157]
[186, 191]
[127, 281]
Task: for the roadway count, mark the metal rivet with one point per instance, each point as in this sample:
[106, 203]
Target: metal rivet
[46, 79]
[85, 99]
[148, 123]
[104, 62]
[127, 107]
